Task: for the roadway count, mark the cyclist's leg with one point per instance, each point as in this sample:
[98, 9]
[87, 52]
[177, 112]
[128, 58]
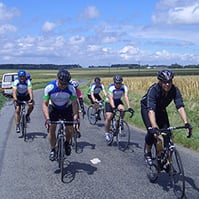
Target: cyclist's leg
[17, 116]
[149, 139]
[107, 123]
[67, 114]
[30, 108]
[53, 114]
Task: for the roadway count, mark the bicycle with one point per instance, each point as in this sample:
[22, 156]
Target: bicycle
[23, 122]
[94, 111]
[61, 138]
[167, 159]
[120, 129]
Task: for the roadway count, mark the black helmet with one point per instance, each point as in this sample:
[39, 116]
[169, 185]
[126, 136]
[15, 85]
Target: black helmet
[165, 75]
[117, 79]
[97, 80]
[64, 76]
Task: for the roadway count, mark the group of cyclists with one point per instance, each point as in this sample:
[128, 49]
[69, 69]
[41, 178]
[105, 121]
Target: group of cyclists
[62, 99]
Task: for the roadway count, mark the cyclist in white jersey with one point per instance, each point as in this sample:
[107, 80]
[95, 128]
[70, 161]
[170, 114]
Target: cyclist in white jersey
[22, 91]
[62, 95]
[116, 91]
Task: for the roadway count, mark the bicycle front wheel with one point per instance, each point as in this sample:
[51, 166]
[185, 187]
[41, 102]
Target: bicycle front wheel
[177, 174]
[123, 136]
[91, 115]
[23, 126]
[61, 157]
[74, 142]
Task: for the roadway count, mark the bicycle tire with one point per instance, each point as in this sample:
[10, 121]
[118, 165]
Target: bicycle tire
[61, 157]
[177, 174]
[23, 126]
[91, 115]
[75, 141]
[123, 136]
[152, 172]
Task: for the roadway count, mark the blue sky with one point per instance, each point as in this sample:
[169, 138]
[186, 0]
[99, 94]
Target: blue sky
[103, 32]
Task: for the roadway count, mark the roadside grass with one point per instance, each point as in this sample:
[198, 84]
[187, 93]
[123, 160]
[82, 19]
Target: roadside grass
[137, 88]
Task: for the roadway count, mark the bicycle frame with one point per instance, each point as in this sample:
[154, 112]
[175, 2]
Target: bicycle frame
[23, 121]
[120, 130]
[170, 161]
[61, 137]
[93, 109]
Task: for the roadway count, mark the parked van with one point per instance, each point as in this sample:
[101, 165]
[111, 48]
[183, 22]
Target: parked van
[6, 85]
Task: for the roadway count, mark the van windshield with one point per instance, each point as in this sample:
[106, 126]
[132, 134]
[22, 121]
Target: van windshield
[9, 78]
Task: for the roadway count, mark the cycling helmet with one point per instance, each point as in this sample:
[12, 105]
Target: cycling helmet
[97, 80]
[165, 75]
[117, 79]
[64, 76]
[75, 83]
[28, 76]
[21, 73]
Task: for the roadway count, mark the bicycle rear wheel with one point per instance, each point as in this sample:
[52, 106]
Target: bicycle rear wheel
[91, 115]
[123, 136]
[177, 174]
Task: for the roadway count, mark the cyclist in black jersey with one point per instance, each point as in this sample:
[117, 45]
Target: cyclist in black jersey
[153, 107]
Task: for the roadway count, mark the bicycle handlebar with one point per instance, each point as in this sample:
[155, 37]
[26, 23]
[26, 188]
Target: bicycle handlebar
[171, 128]
[124, 111]
[64, 122]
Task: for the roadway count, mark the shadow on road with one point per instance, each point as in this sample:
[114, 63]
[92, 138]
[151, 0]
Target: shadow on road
[34, 135]
[81, 145]
[72, 168]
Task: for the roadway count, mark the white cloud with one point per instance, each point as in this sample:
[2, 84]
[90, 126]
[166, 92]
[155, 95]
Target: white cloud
[109, 39]
[49, 26]
[184, 15]
[176, 12]
[7, 14]
[7, 28]
[129, 52]
[90, 12]
[76, 40]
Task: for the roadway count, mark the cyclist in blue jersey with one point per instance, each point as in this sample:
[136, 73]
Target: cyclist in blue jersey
[22, 91]
[116, 91]
[154, 104]
[93, 93]
[60, 102]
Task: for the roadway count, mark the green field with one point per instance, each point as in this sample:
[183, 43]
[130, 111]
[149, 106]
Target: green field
[136, 91]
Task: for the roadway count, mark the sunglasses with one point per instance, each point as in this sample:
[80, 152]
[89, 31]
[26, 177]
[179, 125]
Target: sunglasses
[167, 82]
[63, 83]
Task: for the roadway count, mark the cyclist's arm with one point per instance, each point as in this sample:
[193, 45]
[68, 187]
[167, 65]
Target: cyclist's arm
[183, 114]
[14, 94]
[75, 109]
[93, 97]
[152, 119]
[45, 109]
[127, 100]
[30, 93]
[104, 91]
[111, 101]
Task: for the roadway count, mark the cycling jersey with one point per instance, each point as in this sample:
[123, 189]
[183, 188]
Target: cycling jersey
[156, 99]
[117, 93]
[79, 93]
[22, 87]
[60, 99]
[95, 89]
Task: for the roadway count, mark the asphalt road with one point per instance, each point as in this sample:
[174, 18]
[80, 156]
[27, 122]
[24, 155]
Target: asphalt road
[96, 171]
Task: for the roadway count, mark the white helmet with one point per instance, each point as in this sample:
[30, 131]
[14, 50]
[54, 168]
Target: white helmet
[75, 83]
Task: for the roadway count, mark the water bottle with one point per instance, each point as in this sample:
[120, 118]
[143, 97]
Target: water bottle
[159, 145]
